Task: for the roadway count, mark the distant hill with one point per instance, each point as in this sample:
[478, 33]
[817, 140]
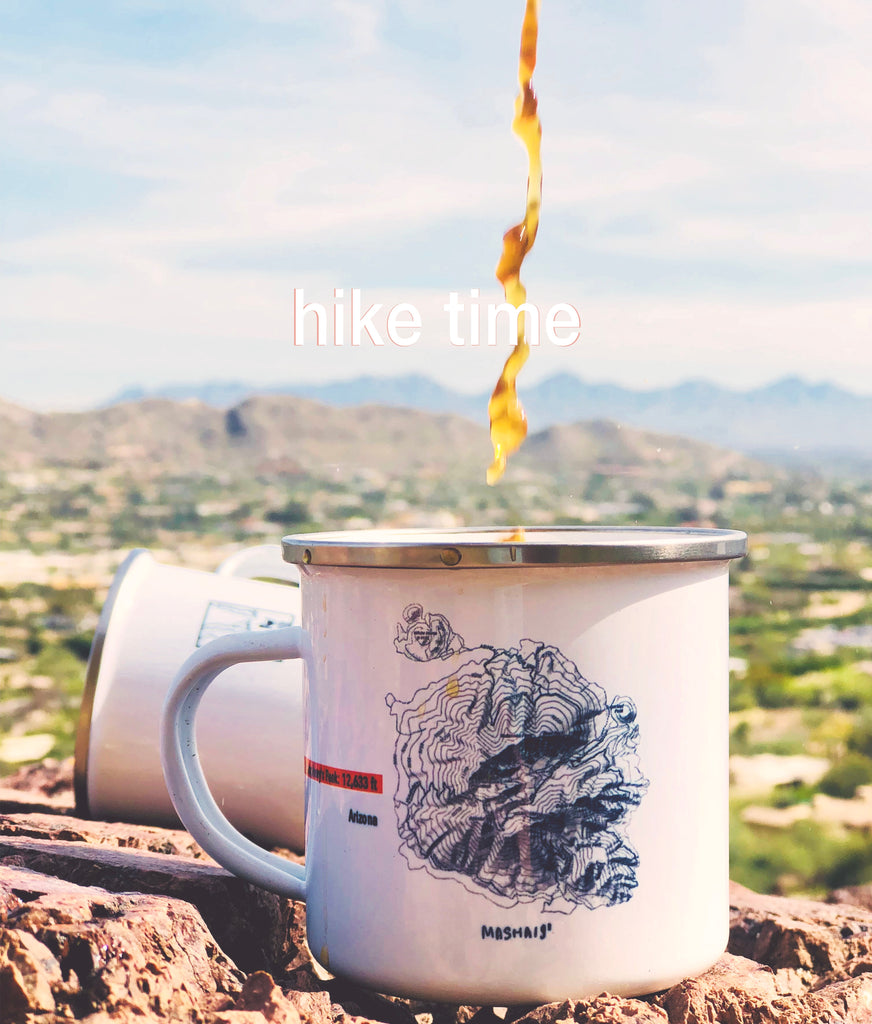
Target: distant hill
[788, 418]
[268, 434]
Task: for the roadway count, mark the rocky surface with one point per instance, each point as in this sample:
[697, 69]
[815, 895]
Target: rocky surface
[108, 922]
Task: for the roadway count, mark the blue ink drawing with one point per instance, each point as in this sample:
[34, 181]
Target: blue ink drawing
[423, 636]
[516, 775]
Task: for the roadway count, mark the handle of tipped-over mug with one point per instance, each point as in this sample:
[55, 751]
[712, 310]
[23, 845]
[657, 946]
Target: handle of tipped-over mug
[263, 561]
[185, 781]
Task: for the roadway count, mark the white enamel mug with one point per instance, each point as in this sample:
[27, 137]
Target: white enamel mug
[251, 724]
[516, 758]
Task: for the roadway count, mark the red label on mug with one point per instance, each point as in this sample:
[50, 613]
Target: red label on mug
[359, 782]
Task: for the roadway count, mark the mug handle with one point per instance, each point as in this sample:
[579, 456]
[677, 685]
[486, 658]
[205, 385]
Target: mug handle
[185, 781]
[263, 561]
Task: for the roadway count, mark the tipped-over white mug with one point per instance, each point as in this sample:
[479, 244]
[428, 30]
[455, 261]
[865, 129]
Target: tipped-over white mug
[251, 726]
[516, 758]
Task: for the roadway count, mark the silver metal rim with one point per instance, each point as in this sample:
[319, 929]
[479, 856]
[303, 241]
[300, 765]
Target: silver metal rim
[493, 548]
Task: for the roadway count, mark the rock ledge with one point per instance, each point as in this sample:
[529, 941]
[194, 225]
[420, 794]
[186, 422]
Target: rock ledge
[108, 923]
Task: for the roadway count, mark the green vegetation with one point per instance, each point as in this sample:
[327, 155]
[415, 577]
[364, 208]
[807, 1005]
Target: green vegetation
[801, 685]
[42, 673]
[846, 774]
[805, 857]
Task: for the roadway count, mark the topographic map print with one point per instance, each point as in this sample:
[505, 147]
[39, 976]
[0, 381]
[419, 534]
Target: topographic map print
[516, 775]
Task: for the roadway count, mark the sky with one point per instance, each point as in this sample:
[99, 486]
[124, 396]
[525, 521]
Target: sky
[172, 171]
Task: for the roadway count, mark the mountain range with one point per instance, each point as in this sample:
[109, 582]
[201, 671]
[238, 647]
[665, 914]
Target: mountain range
[266, 435]
[789, 418]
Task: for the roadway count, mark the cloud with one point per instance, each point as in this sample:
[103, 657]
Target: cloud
[703, 158]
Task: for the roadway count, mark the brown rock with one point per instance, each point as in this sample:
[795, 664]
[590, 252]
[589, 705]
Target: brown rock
[45, 787]
[820, 954]
[804, 940]
[486, 1015]
[98, 924]
[604, 1009]
[50, 777]
[19, 886]
[250, 924]
[28, 973]
[361, 1002]
[313, 1007]
[853, 895]
[13, 801]
[231, 1017]
[443, 1014]
[734, 989]
[300, 973]
[262, 996]
[849, 1001]
[80, 950]
[66, 828]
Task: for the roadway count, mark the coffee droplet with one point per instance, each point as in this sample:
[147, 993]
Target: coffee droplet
[307, 556]
[508, 422]
[450, 556]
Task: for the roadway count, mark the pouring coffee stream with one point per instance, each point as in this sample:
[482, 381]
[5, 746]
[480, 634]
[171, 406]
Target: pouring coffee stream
[508, 422]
